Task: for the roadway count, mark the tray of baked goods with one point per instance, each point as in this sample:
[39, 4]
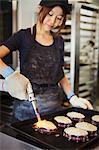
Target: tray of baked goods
[73, 128]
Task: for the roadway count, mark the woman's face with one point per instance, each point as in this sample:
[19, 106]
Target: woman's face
[53, 19]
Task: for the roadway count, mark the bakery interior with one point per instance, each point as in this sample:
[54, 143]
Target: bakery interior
[81, 37]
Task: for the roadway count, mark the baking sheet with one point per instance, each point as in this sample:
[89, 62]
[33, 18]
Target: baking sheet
[55, 141]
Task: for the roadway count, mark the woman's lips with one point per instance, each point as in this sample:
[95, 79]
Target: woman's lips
[49, 26]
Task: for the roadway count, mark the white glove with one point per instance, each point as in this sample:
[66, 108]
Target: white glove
[80, 102]
[17, 86]
[3, 85]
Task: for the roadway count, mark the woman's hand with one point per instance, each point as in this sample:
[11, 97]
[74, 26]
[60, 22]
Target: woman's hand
[80, 102]
[17, 86]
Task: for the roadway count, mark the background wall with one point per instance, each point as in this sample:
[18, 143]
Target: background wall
[26, 12]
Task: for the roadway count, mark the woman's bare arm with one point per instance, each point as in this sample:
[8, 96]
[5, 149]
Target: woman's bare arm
[3, 52]
[64, 82]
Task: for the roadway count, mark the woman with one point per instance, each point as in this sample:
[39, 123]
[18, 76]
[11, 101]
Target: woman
[41, 64]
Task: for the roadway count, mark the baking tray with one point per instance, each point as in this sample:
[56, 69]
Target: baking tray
[53, 141]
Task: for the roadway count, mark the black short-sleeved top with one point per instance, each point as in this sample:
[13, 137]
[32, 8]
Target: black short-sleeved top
[41, 64]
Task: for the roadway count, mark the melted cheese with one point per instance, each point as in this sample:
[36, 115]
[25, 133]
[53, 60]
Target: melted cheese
[62, 119]
[75, 115]
[45, 124]
[95, 118]
[75, 131]
[86, 126]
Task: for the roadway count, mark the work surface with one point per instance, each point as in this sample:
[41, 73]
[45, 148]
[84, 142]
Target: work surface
[10, 143]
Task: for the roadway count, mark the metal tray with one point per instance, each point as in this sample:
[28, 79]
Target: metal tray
[54, 141]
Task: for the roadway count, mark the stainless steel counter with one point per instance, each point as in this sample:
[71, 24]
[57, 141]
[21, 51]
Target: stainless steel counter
[9, 143]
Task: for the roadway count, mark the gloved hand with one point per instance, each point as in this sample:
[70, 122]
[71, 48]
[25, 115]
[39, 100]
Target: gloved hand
[17, 85]
[80, 102]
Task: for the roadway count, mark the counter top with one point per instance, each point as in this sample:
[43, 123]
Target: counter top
[10, 143]
[12, 140]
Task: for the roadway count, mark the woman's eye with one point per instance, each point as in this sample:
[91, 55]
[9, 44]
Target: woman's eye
[50, 14]
[59, 18]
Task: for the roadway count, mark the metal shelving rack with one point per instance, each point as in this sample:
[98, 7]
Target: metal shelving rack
[81, 37]
[66, 34]
[88, 51]
[8, 25]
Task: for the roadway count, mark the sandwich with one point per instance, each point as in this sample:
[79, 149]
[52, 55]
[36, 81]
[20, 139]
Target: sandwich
[63, 121]
[45, 127]
[90, 128]
[76, 116]
[75, 134]
[95, 120]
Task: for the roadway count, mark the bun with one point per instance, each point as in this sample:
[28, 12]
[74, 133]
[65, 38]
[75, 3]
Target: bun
[76, 116]
[45, 127]
[75, 134]
[92, 129]
[63, 121]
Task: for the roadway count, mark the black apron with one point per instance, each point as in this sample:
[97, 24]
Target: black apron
[42, 67]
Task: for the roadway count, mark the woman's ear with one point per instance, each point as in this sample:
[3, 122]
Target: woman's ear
[38, 9]
[60, 22]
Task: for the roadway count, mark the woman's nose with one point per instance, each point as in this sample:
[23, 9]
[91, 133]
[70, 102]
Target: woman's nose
[53, 21]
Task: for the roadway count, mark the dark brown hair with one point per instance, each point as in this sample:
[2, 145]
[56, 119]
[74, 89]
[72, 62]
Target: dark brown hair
[44, 11]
